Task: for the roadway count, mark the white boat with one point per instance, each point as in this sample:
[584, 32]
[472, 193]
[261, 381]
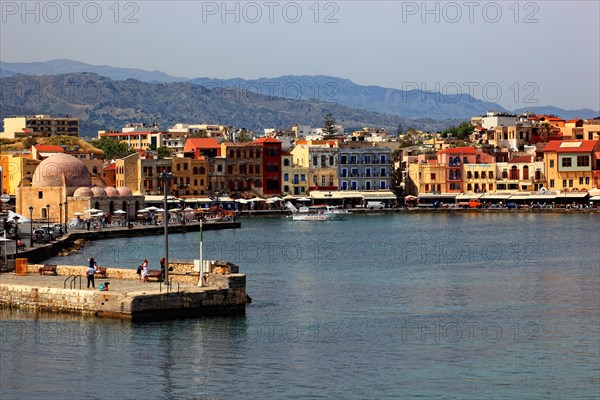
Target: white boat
[315, 213]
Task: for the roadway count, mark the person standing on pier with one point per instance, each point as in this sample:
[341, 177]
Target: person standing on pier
[90, 272]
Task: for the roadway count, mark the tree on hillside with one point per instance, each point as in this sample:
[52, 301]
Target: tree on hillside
[329, 128]
[399, 131]
[163, 152]
[112, 147]
[462, 132]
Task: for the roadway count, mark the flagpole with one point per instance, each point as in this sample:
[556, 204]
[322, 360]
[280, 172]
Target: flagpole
[200, 283]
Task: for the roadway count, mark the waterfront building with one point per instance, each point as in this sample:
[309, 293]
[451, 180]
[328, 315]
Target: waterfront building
[458, 162]
[191, 177]
[522, 173]
[322, 164]
[271, 157]
[294, 177]
[17, 169]
[217, 175]
[364, 168]
[572, 165]
[41, 125]
[244, 165]
[63, 183]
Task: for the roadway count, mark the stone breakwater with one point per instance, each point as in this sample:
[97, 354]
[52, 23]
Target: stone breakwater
[224, 294]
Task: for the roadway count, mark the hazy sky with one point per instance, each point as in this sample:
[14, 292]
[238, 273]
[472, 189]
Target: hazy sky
[515, 53]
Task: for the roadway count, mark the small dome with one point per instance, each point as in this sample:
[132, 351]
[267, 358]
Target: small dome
[111, 191]
[61, 168]
[124, 191]
[83, 192]
[98, 191]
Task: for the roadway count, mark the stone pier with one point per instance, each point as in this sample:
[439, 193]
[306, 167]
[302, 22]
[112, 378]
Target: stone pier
[223, 294]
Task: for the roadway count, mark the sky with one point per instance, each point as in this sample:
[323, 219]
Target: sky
[515, 53]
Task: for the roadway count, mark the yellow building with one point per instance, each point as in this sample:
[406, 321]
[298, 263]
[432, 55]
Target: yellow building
[426, 176]
[572, 165]
[521, 173]
[479, 178]
[39, 126]
[322, 165]
[16, 169]
[294, 177]
[191, 177]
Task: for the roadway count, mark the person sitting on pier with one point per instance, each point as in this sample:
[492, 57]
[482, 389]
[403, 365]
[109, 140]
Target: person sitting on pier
[20, 245]
[103, 287]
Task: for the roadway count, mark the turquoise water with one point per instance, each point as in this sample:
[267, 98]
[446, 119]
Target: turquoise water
[428, 306]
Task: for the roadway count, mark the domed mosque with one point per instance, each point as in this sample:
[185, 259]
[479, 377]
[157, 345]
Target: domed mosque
[61, 189]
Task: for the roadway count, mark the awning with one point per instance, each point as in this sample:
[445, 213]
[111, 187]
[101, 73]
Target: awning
[542, 197]
[498, 196]
[595, 198]
[572, 195]
[157, 198]
[379, 195]
[198, 200]
[467, 196]
[437, 196]
[335, 195]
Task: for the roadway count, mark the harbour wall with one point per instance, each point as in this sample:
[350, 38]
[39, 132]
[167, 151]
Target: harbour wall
[225, 295]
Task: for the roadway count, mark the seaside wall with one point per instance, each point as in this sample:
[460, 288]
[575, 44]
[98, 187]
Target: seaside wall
[225, 295]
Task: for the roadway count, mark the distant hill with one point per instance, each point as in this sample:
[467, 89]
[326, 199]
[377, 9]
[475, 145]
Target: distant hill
[410, 104]
[103, 103]
[64, 66]
[566, 114]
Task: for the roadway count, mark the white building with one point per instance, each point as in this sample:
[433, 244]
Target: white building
[494, 119]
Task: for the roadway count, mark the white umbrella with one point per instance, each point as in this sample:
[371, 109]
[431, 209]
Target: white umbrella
[143, 210]
[271, 202]
[20, 219]
[92, 210]
[257, 199]
[188, 209]
[304, 199]
[119, 212]
[77, 213]
[242, 201]
[289, 197]
[275, 198]
[174, 210]
[151, 208]
[160, 210]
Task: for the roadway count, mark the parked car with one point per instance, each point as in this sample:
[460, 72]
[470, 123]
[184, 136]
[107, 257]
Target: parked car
[50, 232]
[40, 236]
[56, 228]
[512, 205]
[375, 205]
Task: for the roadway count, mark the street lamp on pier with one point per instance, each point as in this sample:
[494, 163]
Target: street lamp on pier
[16, 220]
[165, 177]
[31, 226]
[48, 217]
[60, 231]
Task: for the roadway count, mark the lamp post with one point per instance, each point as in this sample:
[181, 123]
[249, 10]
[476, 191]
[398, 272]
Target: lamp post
[16, 220]
[48, 217]
[60, 219]
[165, 177]
[31, 226]
[66, 216]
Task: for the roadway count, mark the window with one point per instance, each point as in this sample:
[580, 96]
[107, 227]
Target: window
[469, 175]
[514, 173]
[315, 161]
[476, 174]
[303, 178]
[382, 185]
[331, 161]
[40, 195]
[483, 175]
[566, 162]
[286, 177]
[322, 180]
[581, 180]
[433, 177]
[427, 187]
[587, 180]
[491, 187]
[469, 187]
[570, 182]
[525, 172]
[564, 183]
[344, 160]
[286, 162]
[551, 163]
[344, 172]
[583, 161]
[451, 175]
[491, 175]
[230, 169]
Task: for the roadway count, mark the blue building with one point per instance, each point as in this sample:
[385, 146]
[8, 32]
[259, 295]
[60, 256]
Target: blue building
[364, 168]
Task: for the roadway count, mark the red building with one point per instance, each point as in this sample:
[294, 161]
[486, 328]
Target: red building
[207, 147]
[271, 151]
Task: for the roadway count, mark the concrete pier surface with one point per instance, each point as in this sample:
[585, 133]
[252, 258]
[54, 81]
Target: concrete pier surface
[224, 293]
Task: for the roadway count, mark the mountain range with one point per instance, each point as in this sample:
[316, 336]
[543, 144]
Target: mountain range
[420, 109]
[103, 103]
